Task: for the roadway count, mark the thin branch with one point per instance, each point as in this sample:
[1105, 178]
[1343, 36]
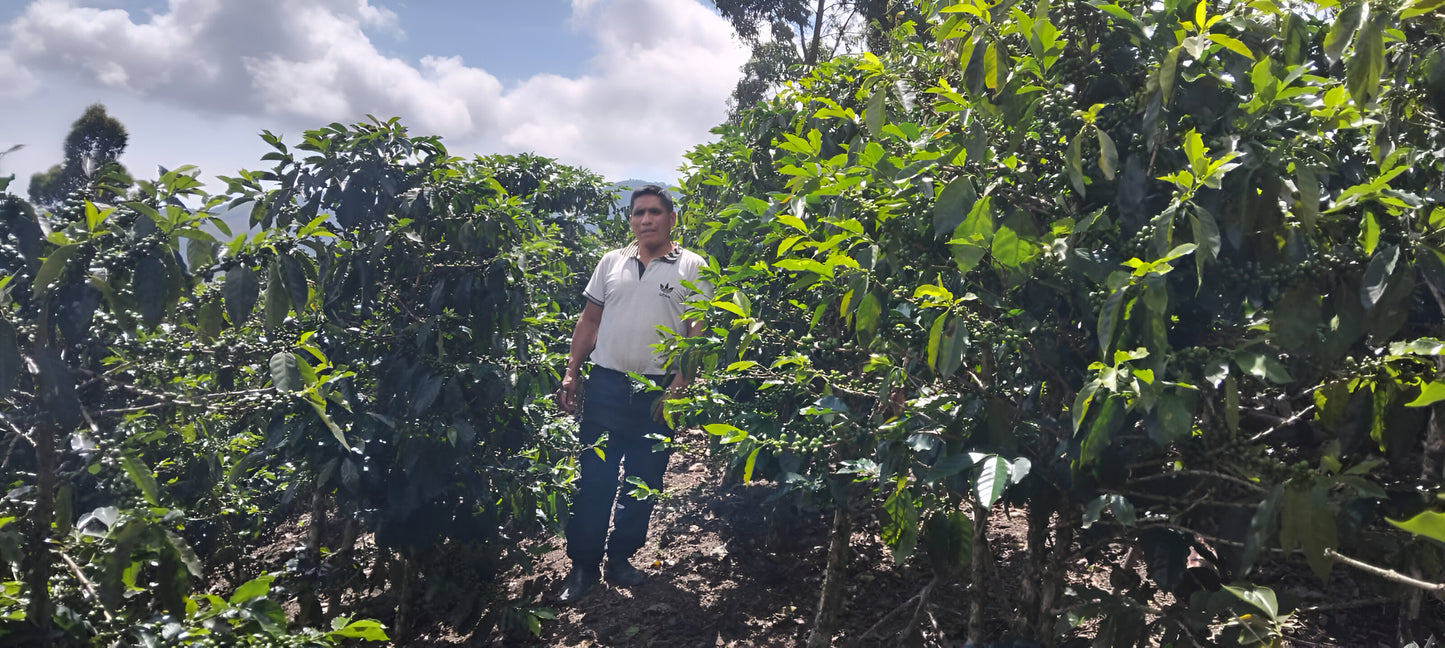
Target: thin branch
[1213, 539]
[84, 582]
[242, 393]
[103, 376]
[1294, 418]
[1185, 501]
[168, 399]
[9, 451]
[89, 420]
[1436, 588]
[893, 612]
[919, 611]
[135, 410]
[1203, 473]
[1347, 605]
[16, 429]
[171, 399]
[1305, 642]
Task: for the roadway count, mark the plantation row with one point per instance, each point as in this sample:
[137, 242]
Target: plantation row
[1167, 276]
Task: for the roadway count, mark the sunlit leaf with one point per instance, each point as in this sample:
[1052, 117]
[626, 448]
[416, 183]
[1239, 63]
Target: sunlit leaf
[1233, 45]
[935, 337]
[1074, 164]
[751, 463]
[252, 589]
[993, 478]
[1420, 8]
[1367, 65]
[1431, 393]
[900, 525]
[1012, 251]
[1108, 155]
[1262, 598]
[366, 630]
[1109, 315]
[1377, 275]
[1108, 419]
[1428, 523]
[1343, 30]
[730, 434]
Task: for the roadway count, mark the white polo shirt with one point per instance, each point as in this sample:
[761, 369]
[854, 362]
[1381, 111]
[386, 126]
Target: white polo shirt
[635, 302]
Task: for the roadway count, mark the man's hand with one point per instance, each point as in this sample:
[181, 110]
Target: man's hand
[673, 391]
[567, 394]
[584, 338]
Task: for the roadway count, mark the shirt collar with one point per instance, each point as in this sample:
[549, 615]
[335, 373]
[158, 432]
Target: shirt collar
[671, 257]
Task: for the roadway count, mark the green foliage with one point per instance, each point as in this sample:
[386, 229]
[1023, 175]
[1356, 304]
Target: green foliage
[381, 341]
[1131, 244]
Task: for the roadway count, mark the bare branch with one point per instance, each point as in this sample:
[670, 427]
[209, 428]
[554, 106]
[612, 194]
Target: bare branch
[1436, 588]
[1294, 418]
[84, 582]
[1203, 473]
[16, 429]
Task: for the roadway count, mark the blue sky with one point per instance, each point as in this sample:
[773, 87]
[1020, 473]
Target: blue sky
[623, 87]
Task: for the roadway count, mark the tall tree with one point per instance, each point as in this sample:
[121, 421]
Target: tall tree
[806, 25]
[96, 140]
[789, 37]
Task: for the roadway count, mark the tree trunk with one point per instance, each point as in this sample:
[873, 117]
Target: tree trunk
[310, 603]
[812, 54]
[405, 579]
[978, 574]
[830, 604]
[1033, 583]
[37, 553]
[1053, 577]
[343, 559]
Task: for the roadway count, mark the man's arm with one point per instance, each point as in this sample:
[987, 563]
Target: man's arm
[584, 338]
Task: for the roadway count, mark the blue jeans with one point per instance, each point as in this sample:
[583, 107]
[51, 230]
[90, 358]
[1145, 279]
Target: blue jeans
[611, 405]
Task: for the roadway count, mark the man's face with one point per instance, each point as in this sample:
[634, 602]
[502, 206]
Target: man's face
[651, 222]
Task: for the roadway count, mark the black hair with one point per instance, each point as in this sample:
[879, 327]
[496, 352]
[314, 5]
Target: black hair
[651, 190]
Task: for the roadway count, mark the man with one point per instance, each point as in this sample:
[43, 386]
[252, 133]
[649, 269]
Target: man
[633, 291]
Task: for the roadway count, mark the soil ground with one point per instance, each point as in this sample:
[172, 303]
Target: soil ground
[717, 580]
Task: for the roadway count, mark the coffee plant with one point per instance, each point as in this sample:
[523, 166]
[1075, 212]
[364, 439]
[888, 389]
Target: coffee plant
[1166, 274]
[378, 345]
[1166, 277]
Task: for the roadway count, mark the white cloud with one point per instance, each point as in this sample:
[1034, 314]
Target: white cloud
[657, 82]
[16, 82]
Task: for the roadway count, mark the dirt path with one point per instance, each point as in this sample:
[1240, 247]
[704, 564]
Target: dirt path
[718, 579]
